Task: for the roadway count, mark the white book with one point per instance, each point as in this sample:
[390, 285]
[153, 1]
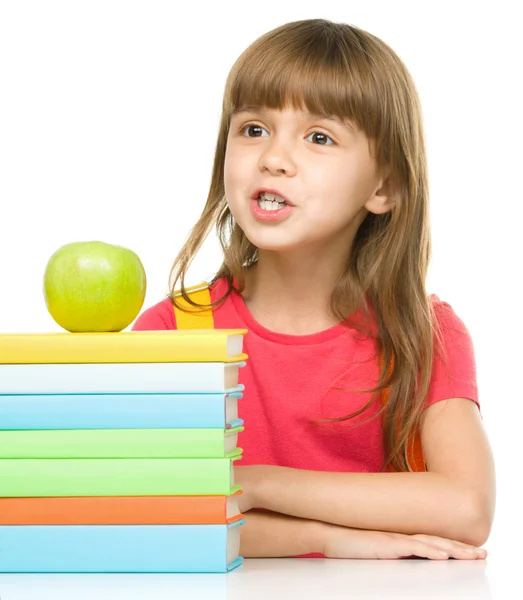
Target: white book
[119, 378]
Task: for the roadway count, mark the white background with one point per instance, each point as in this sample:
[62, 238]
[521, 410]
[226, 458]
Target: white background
[109, 114]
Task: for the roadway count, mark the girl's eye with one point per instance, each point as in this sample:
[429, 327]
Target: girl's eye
[251, 126]
[322, 137]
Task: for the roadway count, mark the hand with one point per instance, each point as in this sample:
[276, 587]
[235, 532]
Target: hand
[343, 542]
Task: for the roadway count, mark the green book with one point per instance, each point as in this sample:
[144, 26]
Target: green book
[120, 443]
[117, 477]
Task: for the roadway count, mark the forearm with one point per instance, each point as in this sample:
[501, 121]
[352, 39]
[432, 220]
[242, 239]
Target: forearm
[269, 534]
[400, 502]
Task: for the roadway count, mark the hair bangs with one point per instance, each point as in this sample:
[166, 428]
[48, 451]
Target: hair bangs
[319, 75]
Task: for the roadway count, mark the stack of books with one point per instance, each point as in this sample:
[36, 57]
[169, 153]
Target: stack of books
[117, 451]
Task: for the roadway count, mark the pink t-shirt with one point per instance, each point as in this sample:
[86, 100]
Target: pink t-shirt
[287, 380]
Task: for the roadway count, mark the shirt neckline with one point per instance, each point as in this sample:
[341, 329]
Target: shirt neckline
[285, 338]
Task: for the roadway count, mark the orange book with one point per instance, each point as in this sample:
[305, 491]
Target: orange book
[121, 510]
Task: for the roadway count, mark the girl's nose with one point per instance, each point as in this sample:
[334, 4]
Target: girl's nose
[277, 159]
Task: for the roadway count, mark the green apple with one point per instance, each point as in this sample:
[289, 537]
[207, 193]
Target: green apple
[94, 286]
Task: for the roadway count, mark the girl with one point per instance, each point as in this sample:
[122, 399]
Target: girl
[363, 436]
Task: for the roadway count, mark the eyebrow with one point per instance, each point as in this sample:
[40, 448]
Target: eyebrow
[260, 111]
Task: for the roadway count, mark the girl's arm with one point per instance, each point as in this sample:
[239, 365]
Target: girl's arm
[269, 534]
[454, 499]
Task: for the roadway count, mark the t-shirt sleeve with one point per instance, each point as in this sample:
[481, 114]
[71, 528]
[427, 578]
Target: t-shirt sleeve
[157, 317]
[459, 380]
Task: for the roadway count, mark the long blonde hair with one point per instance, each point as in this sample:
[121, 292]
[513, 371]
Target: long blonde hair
[337, 69]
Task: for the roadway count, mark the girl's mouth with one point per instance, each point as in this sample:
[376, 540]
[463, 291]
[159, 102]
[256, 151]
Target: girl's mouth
[270, 210]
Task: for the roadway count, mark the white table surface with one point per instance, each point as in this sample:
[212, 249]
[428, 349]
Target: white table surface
[270, 579]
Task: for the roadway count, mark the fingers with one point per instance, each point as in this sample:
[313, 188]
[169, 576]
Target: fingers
[446, 548]
[424, 550]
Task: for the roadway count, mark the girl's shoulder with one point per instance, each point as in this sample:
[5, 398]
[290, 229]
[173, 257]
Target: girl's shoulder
[446, 316]
[454, 364]
[157, 317]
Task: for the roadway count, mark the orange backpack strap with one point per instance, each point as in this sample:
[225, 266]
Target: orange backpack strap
[191, 317]
[414, 448]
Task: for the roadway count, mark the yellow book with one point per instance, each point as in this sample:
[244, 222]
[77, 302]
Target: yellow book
[180, 345]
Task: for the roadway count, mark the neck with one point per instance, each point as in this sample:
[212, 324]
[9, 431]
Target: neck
[291, 294]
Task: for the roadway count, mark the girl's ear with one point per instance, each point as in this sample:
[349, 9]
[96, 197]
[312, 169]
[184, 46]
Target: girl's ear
[383, 199]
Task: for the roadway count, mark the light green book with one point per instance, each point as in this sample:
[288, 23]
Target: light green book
[120, 443]
[29, 477]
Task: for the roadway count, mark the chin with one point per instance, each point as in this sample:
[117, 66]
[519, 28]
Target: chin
[272, 241]
[265, 236]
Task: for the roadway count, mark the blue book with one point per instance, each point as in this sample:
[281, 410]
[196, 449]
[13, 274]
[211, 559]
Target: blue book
[120, 548]
[121, 411]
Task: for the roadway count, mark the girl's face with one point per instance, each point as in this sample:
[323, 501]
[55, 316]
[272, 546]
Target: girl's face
[323, 167]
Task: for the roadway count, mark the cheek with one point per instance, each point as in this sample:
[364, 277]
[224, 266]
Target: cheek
[227, 167]
[235, 166]
[335, 187]
[350, 185]
[235, 181]
[234, 176]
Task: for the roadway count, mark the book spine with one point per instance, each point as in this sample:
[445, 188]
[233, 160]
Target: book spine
[107, 378]
[115, 477]
[121, 347]
[113, 411]
[116, 443]
[117, 510]
[115, 549]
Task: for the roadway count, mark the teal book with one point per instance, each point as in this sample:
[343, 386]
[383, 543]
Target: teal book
[120, 548]
[120, 411]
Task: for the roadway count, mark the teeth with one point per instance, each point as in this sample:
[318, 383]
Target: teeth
[272, 197]
[269, 204]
